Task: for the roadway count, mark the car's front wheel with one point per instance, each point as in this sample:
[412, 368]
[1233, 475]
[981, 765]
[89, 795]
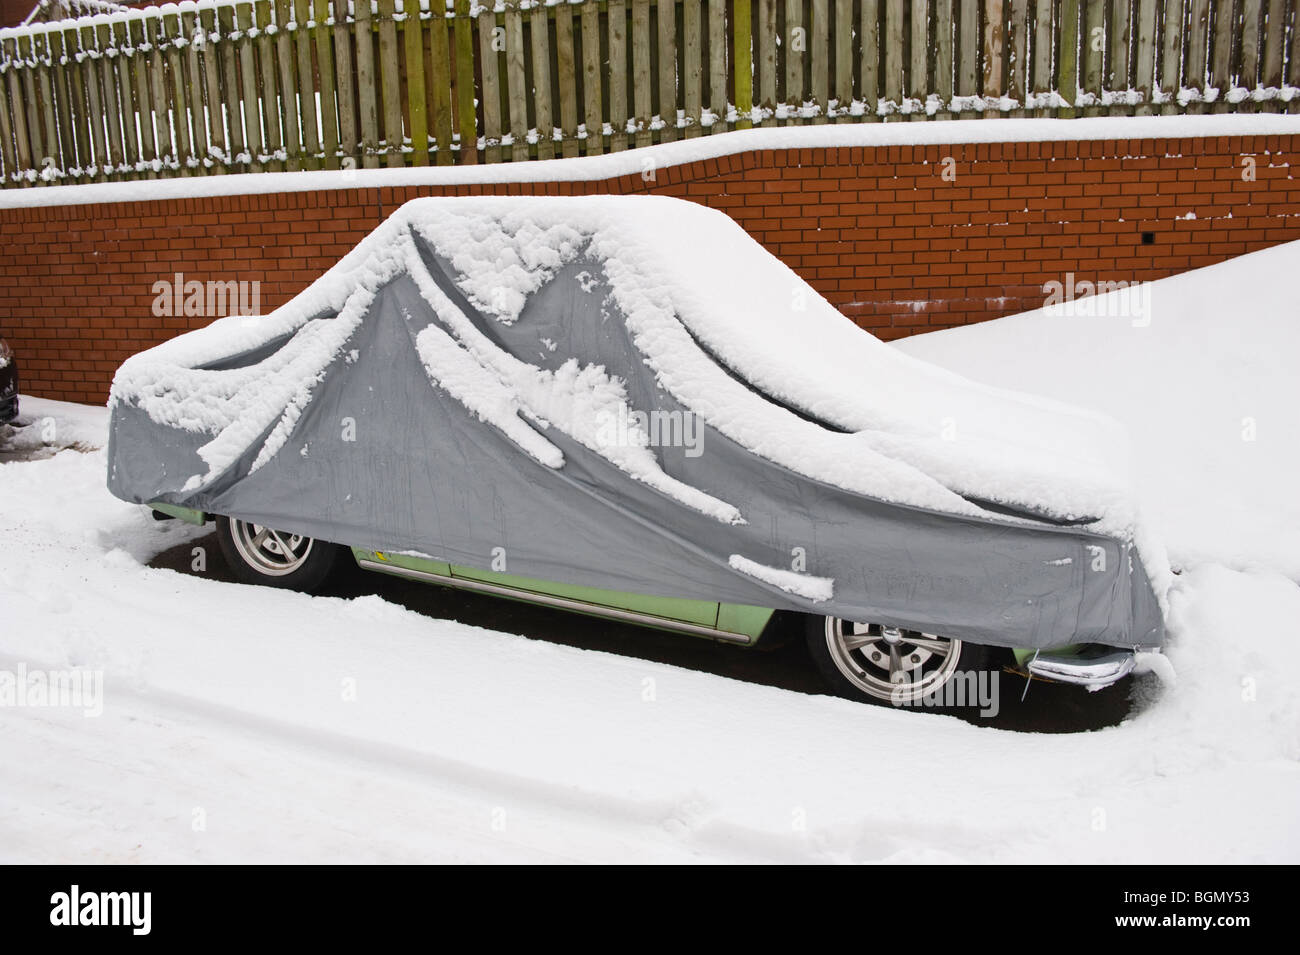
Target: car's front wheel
[258, 554]
[906, 668]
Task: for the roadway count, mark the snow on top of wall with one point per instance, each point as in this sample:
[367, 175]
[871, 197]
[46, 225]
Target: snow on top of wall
[697, 294]
[646, 160]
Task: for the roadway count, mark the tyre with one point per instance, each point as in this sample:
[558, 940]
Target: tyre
[258, 554]
[904, 668]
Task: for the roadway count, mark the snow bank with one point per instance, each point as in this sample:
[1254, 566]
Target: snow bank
[46, 426]
[1205, 382]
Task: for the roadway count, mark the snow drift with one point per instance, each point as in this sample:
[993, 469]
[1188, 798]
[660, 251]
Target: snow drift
[1204, 379]
[516, 378]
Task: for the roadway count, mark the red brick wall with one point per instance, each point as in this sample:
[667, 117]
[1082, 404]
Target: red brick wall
[878, 231]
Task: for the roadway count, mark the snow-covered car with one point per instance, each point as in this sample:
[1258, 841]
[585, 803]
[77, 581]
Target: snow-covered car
[8, 383]
[627, 407]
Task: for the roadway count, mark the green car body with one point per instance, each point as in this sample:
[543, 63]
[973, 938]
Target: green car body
[737, 624]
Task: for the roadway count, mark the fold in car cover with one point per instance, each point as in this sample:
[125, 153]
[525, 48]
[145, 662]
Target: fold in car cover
[631, 394]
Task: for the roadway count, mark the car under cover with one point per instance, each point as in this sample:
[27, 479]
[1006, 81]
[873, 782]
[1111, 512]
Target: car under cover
[630, 393]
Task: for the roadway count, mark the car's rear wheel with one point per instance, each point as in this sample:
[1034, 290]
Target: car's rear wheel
[881, 664]
[258, 554]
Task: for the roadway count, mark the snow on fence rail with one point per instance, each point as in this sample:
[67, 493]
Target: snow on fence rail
[228, 86]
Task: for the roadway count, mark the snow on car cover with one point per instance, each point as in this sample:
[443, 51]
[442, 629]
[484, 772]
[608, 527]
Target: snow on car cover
[632, 394]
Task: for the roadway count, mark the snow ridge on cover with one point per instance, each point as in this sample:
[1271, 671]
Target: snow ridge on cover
[816, 589]
[730, 332]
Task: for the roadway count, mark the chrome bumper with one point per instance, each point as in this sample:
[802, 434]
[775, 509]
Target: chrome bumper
[1093, 671]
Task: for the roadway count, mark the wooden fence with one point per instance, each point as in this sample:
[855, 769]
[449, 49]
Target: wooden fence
[227, 86]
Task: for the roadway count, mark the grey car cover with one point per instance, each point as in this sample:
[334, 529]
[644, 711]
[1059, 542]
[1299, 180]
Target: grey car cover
[631, 394]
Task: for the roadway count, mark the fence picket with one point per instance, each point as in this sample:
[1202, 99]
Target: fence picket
[307, 105]
[539, 30]
[466, 117]
[918, 67]
[1197, 61]
[1221, 54]
[641, 99]
[1118, 75]
[593, 114]
[1017, 55]
[1251, 42]
[108, 97]
[440, 84]
[742, 59]
[209, 53]
[329, 108]
[795, 44]
[9, 164]
[666, 22]
[1067, 73]
[618, 74]
[515, 84]
[349, 114]
[944, 28]
[566, 67]
[269, 102]
[765, 58]
[1092, 61]
[367, 87]
[718, 102]
[1173, 33]
[994, 65]
[288, 87]
[22, 145]
[1042, 82]
[390, 85]
[1144, 53]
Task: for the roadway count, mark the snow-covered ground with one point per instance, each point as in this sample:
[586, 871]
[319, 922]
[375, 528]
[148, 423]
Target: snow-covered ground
[251, 724]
